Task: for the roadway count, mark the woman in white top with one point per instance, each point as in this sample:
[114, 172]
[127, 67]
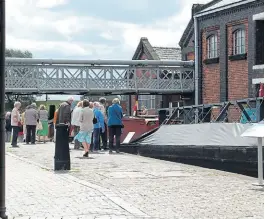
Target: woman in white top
[75, 122]
[15, 123]
[86, 127]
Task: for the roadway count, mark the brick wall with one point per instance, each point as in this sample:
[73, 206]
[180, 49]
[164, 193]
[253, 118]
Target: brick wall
[237, 70]
[133, 100]
[210, 74]
[138, 74]
[190, 56]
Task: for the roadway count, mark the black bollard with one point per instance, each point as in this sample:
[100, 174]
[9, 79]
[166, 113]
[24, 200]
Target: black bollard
[62, 153]
[162, 116]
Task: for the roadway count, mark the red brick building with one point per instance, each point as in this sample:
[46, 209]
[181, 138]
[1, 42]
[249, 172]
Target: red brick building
[231, 49]
[145, 51]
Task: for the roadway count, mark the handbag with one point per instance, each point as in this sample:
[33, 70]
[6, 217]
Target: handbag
[95, 121]
[39, 126]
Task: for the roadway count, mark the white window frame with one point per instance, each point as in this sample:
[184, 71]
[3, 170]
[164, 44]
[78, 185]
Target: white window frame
[212, 47]
[153, 102]
[239, 42]
[142, 101]
[149, 101]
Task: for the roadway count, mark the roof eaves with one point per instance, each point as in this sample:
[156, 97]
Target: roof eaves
[150, 50]
[185, 33]
[221, 8]
[137, 51]
[190, 24]
[145, 45]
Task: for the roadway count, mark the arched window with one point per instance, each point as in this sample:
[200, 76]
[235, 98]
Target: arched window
[212, 47]
[239, 42]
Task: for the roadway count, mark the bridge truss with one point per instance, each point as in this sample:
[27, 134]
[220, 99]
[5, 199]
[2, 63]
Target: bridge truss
[93, 77]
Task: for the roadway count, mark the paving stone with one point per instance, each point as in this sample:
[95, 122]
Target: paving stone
[34, 191]
[125, 186]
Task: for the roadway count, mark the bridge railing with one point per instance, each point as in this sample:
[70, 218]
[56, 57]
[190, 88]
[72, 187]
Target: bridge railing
[93, 76]
[249, 110]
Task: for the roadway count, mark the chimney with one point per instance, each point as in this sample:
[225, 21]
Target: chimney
[144, 38]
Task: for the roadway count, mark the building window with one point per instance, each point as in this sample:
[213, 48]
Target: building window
[239, 42]
[259, 59]
[212, 47]
[147, 100]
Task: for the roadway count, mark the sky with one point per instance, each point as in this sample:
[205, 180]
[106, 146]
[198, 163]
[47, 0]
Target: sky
[94, 29]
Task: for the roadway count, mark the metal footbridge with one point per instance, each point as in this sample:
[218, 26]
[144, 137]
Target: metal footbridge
[50, 76]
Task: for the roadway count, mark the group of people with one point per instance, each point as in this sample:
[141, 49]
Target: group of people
[90, 122]
[31, 122]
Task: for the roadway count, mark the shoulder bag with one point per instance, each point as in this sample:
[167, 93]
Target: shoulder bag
[95, 120]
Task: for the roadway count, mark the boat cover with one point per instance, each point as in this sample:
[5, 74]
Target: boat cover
[205, 134]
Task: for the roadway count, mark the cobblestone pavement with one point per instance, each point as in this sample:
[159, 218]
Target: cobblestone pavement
[33, 192]
[131, 186]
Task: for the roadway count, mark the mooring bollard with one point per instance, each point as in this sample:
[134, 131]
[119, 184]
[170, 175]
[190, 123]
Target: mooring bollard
[62, 153]
[162, 116]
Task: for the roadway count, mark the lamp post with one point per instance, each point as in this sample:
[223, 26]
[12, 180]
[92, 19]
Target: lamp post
[2, 112]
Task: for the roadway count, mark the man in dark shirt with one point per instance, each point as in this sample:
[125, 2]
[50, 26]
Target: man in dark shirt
[8, 127]
[65, 111]
[64, 114]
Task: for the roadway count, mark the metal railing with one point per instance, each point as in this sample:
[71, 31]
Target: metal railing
[249, 110]
[98, 76]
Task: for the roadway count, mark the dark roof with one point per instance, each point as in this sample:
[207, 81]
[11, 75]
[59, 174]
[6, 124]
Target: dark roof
[168, 53]
[195, 9]
[156, 53]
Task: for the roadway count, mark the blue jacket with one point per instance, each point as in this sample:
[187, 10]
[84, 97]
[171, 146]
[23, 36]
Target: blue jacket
[100, 117]
[115, 115]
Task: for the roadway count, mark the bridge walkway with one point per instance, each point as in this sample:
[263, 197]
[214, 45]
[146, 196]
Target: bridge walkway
[50, 76]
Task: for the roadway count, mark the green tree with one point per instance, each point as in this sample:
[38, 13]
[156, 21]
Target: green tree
[16, 53]
[24, 99]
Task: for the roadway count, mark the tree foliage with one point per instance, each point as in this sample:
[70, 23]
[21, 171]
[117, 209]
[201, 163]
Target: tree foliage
[16, 53]
[24, 99]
